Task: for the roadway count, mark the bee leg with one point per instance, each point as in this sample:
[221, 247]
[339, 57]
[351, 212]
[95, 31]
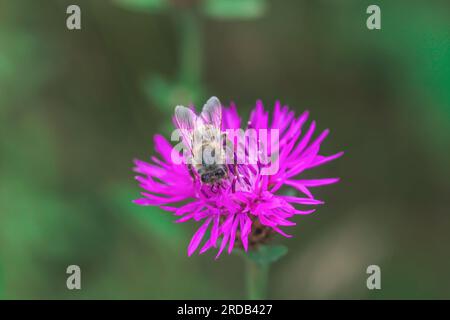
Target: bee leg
[233, 175]
[224, 139]
[204, 193]
[191, 171]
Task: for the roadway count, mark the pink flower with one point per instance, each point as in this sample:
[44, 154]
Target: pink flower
[250, 206]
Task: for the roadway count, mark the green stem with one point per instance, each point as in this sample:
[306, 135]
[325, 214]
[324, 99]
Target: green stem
[191, 47]
[257, 276]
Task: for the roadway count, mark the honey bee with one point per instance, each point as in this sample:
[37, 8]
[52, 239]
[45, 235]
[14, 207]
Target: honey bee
[204, 139]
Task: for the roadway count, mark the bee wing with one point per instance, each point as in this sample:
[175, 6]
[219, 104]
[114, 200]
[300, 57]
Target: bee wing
[212, 112]
[186, 121]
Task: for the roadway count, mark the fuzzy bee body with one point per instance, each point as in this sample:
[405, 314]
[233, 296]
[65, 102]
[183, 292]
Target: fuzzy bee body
[203, 136]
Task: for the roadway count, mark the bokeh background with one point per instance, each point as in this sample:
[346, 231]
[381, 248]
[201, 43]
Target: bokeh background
[77, 106]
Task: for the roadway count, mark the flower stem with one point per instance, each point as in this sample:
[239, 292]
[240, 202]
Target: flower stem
[257, 276]
[191, 48]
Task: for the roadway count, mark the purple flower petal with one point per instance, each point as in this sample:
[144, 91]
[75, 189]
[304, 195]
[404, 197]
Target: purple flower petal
[312, 182]
[302, 200]
[198, 236]
[233, 234]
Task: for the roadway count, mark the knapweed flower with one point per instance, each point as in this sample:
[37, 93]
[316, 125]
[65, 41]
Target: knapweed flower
[248, 204]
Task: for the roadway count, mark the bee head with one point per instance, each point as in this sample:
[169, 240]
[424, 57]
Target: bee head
[219, 173]
[205, 177]
[212, 176]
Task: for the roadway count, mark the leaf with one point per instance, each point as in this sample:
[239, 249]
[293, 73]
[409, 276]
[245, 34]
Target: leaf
[166, 95]
[266, 255]
[143, 5]
[235, 9]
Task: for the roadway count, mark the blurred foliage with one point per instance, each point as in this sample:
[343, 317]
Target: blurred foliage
[218, 9]
[164, 93]
[189, 88]
[1, 281]
[428, 43]
[234, 9]
[144, 5]
[77, 106]
[158, 222]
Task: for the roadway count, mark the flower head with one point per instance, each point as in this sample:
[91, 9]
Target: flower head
[247, 207]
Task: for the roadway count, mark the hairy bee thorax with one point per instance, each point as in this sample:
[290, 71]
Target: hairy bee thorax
[209, 155]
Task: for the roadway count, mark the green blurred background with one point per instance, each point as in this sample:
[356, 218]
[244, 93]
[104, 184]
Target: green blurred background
[77, 106]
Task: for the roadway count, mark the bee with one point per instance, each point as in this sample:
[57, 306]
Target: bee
[203, 138]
